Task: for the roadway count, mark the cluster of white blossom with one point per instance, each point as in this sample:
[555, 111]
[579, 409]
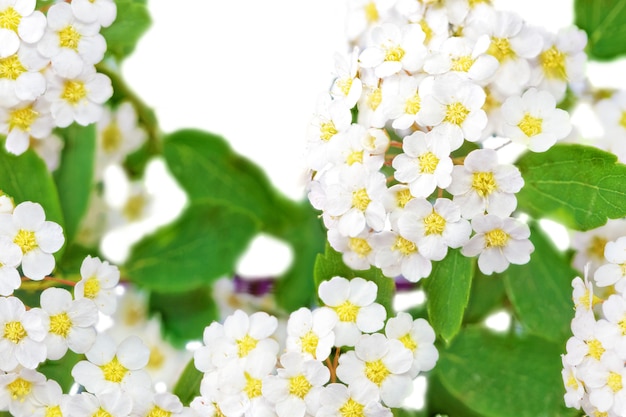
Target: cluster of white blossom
[423, 80]
[594, 366]
[47, 69]
[343, 358]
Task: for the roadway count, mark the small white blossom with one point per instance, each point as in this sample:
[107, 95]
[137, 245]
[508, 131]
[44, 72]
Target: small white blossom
[98, 282]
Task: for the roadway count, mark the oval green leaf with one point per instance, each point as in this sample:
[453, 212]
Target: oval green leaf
[603, 21]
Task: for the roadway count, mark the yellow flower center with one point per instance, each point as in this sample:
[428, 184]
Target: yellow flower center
[403, 197]
[299, 386]
[408, 342]
[11, 67]
[496, 238]
[74, 92]
[360, 199]
[428, 31]
[500, 48]
[92, 288]
[434, 224]
[371, 12]
[600, 414]
[69, 38]
[553, 64]
[245, 345]
[111, 138]
[428, 162]
[413, 104]
[10, 19]
[376, 371]
[22, 118]
[352, 409]
[26, 240]
[157, 358]
[134, 207]
[596, 247]
[394, 53]
[114, 371]
[19, 389]
[101, 413]
[622, 120]
[474, 3]
[462, 63]
[374, 98]
[327, 130]
[344, 85]
[406, 247]
[14, 331]
[60, 324]
[483, 183]
[614, 381]
[53, 411]
[595, 349]
[347, 312]
[456, 113]
[530, 125]
[309, 343]
[253, 386]
[159, 412]
[359, 246]
[354, 157]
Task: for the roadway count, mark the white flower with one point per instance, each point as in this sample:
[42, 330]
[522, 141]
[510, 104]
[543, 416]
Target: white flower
[331, 120]
[394, 48]
[466, 58]
[347, 86]
[17, 390]
[354, 303]
[574, 389]
[416, 335]
[20, 22]
[589, 246]
[6, 204]
[114, 403]
[356, 252]
[381, 363]
[582, 293]
[613, 272]
[481, 184]
[591, 339]
[340, 400]
[498, 242]
[159, 404]
[397, 255]
[25, 121]
[402, 96]
[614, 310]
[310, 333]
[102, 11]
[434, 227]
[425, 163]
[98, 283]
[79, 98]
[21, 77]
[296, 388]
[355, 147]
[48, 400]
[10, 258]
[605, 384]
[37, 238]
[22, 335]
[71, 44]
[114, 367]
[534, 121]
[72, 322]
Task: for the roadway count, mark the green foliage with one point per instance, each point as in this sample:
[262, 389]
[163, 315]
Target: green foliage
[330, 264]
[188, 385]
[74, 177]
[26, 178]
[184, 315]
[603, 20]
[60, 370]
[448, 289]
[499, 375]
[199, 247]
[132, 20]
[440, 400]
[486, 296]
[575, 185]
[540, 290]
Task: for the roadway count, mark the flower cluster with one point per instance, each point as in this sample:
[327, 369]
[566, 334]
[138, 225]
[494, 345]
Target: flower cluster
[594, 366]
[338, 359]
[47, 68]
[403, 148]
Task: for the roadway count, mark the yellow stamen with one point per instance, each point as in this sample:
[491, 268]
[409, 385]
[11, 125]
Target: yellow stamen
[553, 64]
[434, 224]
[359, 246]
[114, 371]
[413, 104]
[11, 67]
[74, 92]
[360, 199]
[496, 238]
[69, 38]
[462, 63]
[428, 162]
[26, 240]
[60, 324]
[456, 113]
[352, 409]
[22, 118]
[10, 19]
[253, 386]
[484, 183]
[309, 343]
[406, 247]
[376, 371]
[394, 53]
[19, 389]
[14, 331]
[530, 125]
[245, 345]
[299, 386]
[347, 312]
[500, 48]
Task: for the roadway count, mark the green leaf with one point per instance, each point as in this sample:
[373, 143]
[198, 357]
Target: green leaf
[504, 375]
[61, 370]
[603, 20]
[541, 290]
[402, 412]
[487, 296]
[132, 20]
[199, 247]
[26, 178]
[448, 289]
[208, 169]
[441, 402]
[296, 287]
[184, 315]
[330, 265]
[188, 385]
[578, 186]
[74, 177]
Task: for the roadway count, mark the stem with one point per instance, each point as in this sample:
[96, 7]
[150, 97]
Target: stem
[395, 144]
[459, 160]
[508, 142]
[333, 373]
